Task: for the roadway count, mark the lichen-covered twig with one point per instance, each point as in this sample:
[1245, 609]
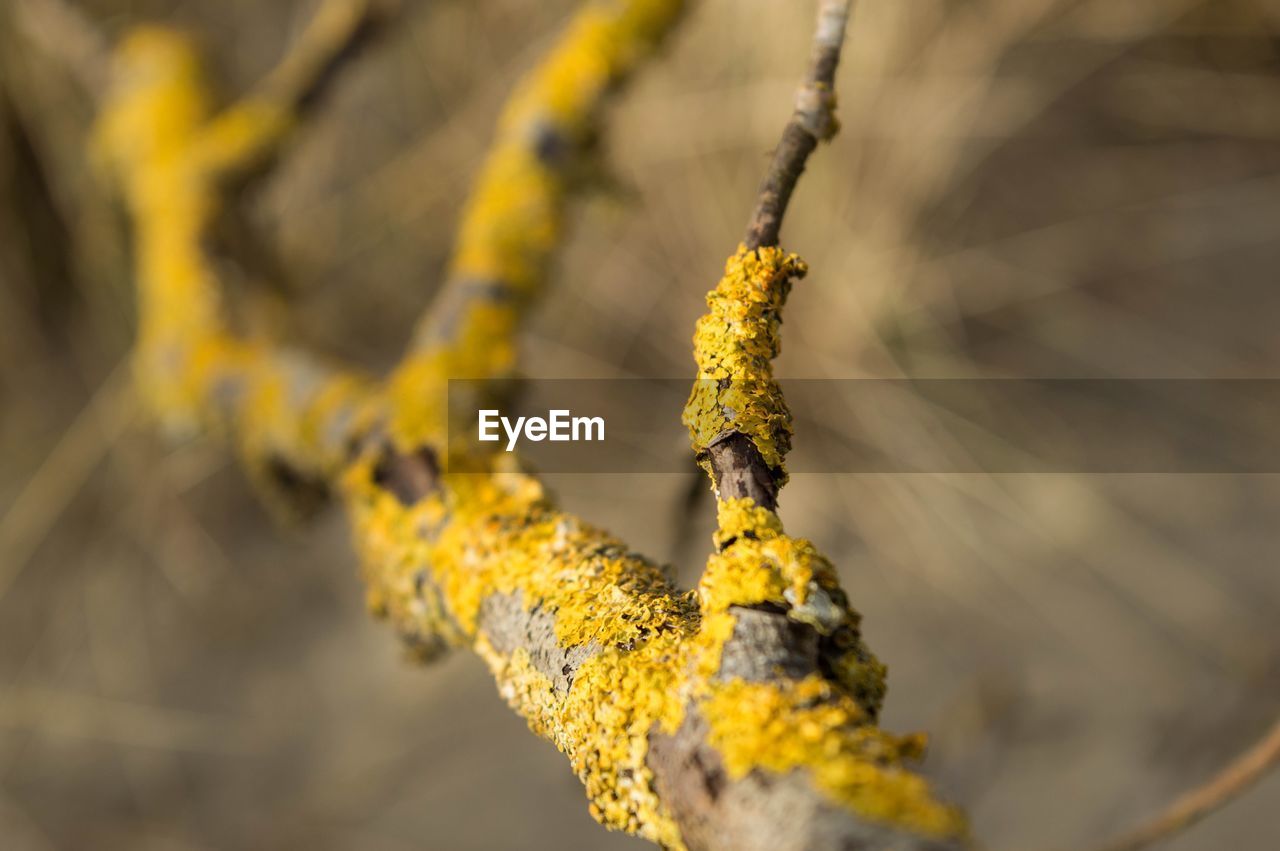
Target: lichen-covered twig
[790, 637]
[294, 418]
[741, 464]
[514, 218]
[1240, 774]
[698, 721]
[741, 716]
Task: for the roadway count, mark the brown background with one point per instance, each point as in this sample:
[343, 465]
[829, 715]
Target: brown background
[1022, 187]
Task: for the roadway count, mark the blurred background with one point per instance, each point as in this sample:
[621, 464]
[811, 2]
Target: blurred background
[1053, 188]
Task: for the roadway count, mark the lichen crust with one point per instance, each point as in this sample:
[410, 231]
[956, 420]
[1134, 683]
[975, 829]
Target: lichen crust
[734, 345]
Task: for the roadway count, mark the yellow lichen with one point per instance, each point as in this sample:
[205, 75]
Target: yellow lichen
[654, 655]
[159, 140]
[809, 725]
[733, 346]
[650, 652]
[514, 218]
[822, 726]
[485, 535]
[242, 135]
[756, 562]
[602, 724]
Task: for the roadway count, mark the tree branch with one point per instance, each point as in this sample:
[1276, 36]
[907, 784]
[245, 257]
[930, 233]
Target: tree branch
[251, 131]
[742, 717]
[713, 723]
[790, 624]
[1239, 775]
[737, 417]
[813, 121]
[732, 456]
[294, 418]
[513, 221]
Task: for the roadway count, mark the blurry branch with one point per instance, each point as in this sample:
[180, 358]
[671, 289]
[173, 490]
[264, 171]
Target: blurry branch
[333, 36]
[1238, 776]
[59, 477]
[695, 721]
[252, 130]
[295, 419]
[514, 217]
[64, 31]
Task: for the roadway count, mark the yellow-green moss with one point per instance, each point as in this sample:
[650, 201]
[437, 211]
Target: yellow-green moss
[733, 346]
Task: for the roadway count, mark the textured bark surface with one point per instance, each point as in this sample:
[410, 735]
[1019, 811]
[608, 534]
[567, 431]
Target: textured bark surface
[587, 639]
[740, 472]
[712, 810]
[759, 812]
[510, 626]
[775, 194]
[767, 646]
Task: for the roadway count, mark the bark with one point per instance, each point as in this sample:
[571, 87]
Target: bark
[587, 639]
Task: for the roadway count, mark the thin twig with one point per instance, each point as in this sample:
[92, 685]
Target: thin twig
[336, 33]
[777, 596]
[668, 708]
[1239, 775]
[288, 94]
[813, 121]
[738, 469]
